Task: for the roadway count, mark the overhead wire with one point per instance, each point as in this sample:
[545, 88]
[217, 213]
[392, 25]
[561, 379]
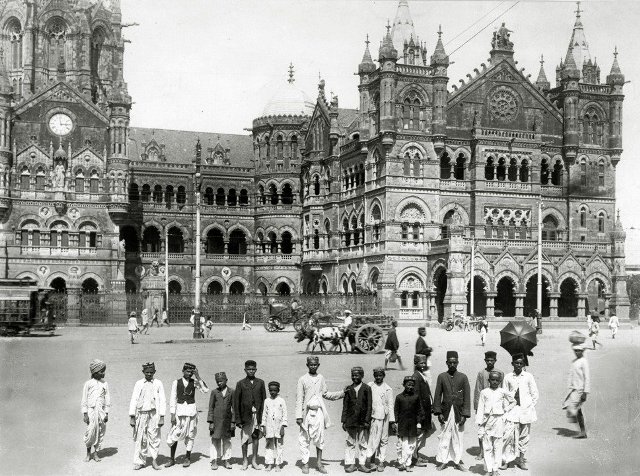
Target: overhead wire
[474, 24]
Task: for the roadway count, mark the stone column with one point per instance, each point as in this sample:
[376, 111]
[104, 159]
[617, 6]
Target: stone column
[553, 305]
[226, 247]
[581, 305]
[455, 299]
[491, 304]
[388, 302]
[520, 304]
[607, 303]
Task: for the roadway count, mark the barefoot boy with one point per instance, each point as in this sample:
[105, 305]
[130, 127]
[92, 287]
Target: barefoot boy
[248, 404]
[95, 404]
[381, 416]
[274, 421]
[408, 411]
[221, 422]
[356, 420]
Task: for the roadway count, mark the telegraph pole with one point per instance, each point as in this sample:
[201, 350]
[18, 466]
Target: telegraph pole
[197, 182]
[539, 288]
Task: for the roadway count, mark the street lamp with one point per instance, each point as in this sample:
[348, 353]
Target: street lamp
[166, 264]
[197, 185]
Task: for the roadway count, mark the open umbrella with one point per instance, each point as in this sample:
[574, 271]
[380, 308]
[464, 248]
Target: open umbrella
[518, 337]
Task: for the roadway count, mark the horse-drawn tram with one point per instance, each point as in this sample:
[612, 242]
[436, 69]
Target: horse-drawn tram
[23, 307]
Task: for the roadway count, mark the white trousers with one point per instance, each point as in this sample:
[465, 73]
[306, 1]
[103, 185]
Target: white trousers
[305, 441]
[356, 447]
[405, 446]
[220, 448]
[94, 434]
[146, 435]
[185, 429]
[516, 440]
[492, 449]
[451, 438]
[378, 439]
[274, 451]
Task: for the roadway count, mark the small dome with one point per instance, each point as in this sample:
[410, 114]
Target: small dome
[60, 154]
[289, 101]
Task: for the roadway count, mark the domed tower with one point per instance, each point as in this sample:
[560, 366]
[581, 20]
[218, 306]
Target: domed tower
[277, 143]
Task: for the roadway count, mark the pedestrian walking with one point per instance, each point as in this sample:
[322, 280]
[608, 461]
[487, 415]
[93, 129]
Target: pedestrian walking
[221, 422]
[452, 405]
[145, 321]
[208, 326]
[184, 413]
[421, 342]
[132, 325]
[155, 318]
[311, 415]
[408, 412]
[382, 416]
[146, 416]
[391, 347]
[579, 388]
[245, 324]
[274, 421]
[356, 420]
[614, 323]
[482, 382]
[165, 318]
[522, 386]
[95, 404]
[422, 385]
[595, 332]
[248, 405]
[484, 329]
[493, 403]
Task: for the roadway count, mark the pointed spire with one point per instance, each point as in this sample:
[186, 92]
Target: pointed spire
[366, 65]
[387, 50]
[439, 56]
[291, 79]
[615, 76]
[570, 70]
[542, 82]
[578, 43]
[402, 30]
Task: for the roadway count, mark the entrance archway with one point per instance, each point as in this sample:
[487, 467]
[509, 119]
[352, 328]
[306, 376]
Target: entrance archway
[214, 288]
[441, 291]
[59, 285]
[479, 297]
[531, 298]
[568, 302]
[283, 289]
[506, 299]
[90, 286]
[236, 288]
[595, 296]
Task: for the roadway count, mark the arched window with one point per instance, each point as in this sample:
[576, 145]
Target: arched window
[415, 298]
[294, 148]
[459, 168]
[279, 148]
[176, 240]
[583, 172]
[157, 194]
[583, 217]
[356, 231]
[406, 165]
[181, 197]
[489, 169]
[601, 217]
[40, 179]
[168, 196]
[244, 197]
[237, 243]
[286, 246]
[501, 169]
[273, 193]
[549, 228]
[232, 198]
[445, 166]
[347, 232]
[283, 289]
[287, 194]
[556, 175]
[96, 55]
[79, 181]
[524, 171]
[500, 229]
[208, 196]
[25, 179]
[13, 30]
[362, 175]
[411, 114]
[175, 287]
[403, 299]
[130, 237]
[261, 197]
[146, 192]
[404, 230]
[446, 222]
[376, 217]
[215, 242]
[56, 39]
[236, 288]
[273, 242]
[220, 197]
[316, 240]
[544, 172]
[94, 182]
[601, 174]
[87, 236]
[151, 240]
[513, 170]
[214, 288]
[90, 286]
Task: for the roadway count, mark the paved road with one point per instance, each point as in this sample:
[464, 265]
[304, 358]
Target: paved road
[41, 379]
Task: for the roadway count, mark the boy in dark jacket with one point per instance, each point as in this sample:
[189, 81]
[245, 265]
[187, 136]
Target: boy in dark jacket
[409, 412]
[221, 424]
[356, 419]
[248, 403]
[391, 347]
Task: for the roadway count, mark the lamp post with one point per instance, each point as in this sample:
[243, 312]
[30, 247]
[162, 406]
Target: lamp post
[539, 287]
[472, 293]
[166, 264]
[197, 183]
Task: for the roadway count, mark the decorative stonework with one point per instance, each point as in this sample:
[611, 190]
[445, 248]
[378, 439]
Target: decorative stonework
[507, 214]
[412, 213]
[503, 104]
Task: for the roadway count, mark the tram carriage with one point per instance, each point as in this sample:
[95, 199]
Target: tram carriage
[24, 307]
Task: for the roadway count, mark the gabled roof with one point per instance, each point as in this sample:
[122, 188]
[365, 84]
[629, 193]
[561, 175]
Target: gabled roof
[346, 118]
[179, 146]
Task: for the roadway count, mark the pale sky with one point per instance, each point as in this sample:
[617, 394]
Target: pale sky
[212, 65]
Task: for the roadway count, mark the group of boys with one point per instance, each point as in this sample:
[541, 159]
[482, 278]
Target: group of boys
[505, 409]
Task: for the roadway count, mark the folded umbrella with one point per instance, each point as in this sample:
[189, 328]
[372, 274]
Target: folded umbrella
[518, 337]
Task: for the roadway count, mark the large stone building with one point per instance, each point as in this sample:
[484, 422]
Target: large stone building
[389, 198]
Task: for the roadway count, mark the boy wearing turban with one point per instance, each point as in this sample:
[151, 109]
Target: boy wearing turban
[95, 404]
[146, 413]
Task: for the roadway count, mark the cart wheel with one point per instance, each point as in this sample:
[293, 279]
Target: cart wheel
[271, 325]
[449, 326]
[369, 338]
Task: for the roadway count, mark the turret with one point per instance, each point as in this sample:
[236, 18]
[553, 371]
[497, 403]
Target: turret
[619, 296]
[439, 65]
[616, 80]
[570, 93]
[365, 68]
[542, 82]
[388, 56]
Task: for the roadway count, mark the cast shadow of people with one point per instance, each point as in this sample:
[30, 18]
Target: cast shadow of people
[567, 433]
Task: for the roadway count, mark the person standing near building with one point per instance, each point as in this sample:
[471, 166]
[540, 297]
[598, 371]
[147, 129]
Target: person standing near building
[382, 417]
[522, 386]
[421, 342]
[274, 421]
[452, 405]
[579, 388]
[484, 329]
[356, 421]
[165, 318]
[155, 318]
[221, 422]
[248, 405]
[147, 408]
[311, 415]
[482, 382]
[422, 385]
[614, 323]
[595, 332]
[145, 321]
[96, 401]
[408, 412]
[184, 413]
[132, 325]
[391, 347]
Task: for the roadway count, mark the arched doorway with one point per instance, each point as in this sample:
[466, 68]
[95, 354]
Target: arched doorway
[237, 243]
[175, 287]
[506, 299]
[90, 286]
[215, 242]
[568, 302]
[130, 237]
[595, 296]
[176, 240]
[531, 298]
[59, 285]
[479, 297]
[441, 290]
[283, 289]
[236, 288]
[214, 288]
[130, 287]
[262, 289]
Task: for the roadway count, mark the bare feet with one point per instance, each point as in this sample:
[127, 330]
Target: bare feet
[96, 458]
[87, 458]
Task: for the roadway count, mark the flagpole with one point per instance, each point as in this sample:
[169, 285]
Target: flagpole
[539, 288]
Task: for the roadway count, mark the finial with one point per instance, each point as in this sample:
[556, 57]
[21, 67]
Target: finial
[291, 78]
[388, 26]
[439, 31]
[578, 11]
[618, 215]
[615, 52]
[366, 42]
[541, 60]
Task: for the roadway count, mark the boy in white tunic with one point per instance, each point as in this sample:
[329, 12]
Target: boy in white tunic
[274, 421]
[614, 323]
[493, 403]
[132, 325]
[95, 404]
[184, 414]
[579, 387]
[146, 413]
[382, 415]
[311, 415]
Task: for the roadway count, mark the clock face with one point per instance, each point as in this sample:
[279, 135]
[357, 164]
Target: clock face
[60, 124]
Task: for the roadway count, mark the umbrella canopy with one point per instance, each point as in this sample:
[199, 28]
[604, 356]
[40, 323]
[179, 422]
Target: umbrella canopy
[518, 337]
